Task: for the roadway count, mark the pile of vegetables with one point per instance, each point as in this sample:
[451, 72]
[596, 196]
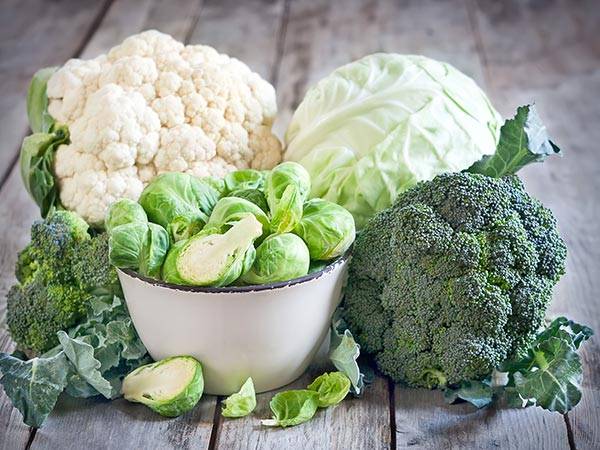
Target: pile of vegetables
[252, 227]
[159, 158]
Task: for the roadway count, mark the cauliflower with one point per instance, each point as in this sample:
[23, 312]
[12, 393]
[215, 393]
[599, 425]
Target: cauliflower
[153, 105]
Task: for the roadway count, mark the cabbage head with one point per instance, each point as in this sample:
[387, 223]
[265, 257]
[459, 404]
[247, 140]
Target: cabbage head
[377, 126]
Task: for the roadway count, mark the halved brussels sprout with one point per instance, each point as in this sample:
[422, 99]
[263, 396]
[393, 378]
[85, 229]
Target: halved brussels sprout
[230, 210]
[255, 196]
[170, 387]
[280, 257]
[125, 244]
[213, 259]
[180, 202]
[286, 187]
[244, 179]
[326, 228]
[124, 211]
[154, 250]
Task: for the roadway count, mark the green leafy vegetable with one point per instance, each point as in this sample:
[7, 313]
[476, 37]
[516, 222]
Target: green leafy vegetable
[213, 259]
[279, 257]
[327, 228]
[292, 408]
[122, 212]
[126, 242]
[171, 387]
[332, 388]
[179, 202]
[230, 210]
[478, 393]
[286, 187]
[33, 386]
[241, 403]
[252, 195]
[36, 161]
[344, 353]
[377, 126]
[37, 101]
[523, 140]
[244, 179]
[153, 251]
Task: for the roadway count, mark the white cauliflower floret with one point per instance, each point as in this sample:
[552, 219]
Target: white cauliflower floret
[153, 105]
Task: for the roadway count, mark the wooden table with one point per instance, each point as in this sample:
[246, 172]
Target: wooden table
[519, 51]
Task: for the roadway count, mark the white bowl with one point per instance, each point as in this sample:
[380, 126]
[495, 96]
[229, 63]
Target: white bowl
[268, 332]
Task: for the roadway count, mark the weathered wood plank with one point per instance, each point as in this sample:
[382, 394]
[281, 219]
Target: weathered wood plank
[424, 421]
[100, 424]
[558, 66]
[35, 34]
[245, 30]
[361, 423]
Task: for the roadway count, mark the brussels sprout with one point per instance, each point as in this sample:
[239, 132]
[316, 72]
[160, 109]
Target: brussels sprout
[170, 387]
[125, 244]
[230, 210]
[218, 184]
[327, 228]
[244, 179]
[180, 202]
[280, 257]
[286, 188]
[213, 259]
[252, 195]
[124, 211]
[154, 250]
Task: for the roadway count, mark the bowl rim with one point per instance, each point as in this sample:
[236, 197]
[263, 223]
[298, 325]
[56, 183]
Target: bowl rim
[239, 289]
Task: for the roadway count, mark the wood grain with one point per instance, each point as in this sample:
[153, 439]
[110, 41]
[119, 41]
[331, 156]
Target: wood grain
[35, 34]
[555, 61]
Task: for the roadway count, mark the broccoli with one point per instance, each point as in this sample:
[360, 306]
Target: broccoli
[452, 279]
[57, 273]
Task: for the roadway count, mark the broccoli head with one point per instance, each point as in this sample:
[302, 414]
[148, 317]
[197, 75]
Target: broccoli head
[452, 279]
[56, 272]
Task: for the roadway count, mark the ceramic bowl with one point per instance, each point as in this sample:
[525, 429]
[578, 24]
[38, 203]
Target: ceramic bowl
[268, 332]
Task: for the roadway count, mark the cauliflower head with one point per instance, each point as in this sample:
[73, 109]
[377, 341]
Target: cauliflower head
[153, 105]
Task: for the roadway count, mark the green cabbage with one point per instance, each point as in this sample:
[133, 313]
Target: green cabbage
[376, 126]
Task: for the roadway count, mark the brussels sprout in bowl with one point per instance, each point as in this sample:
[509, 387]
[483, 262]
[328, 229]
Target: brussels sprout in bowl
[269, 332]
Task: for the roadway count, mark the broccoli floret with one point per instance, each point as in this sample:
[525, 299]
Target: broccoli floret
[452, 279]
[57, 272]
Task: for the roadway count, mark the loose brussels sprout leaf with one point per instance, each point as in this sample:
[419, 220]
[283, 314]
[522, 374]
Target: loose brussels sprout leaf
[125, 244]
[252, 195]
[288, 211]
[285, 203]
[244, 179]
[154, 250]
[124, 211]
[292, 408]
[241, 403]
[327, 228]
[344, 352]
[332, 388]
[213, 259]
[230, 210]
[280, 257]
[180, 202]
[170, 387]
[477, 393]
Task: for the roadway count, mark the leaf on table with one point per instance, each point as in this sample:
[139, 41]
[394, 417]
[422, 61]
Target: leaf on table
[523, 140]
[292, 408]
[34, 385]
[344, 353]
[477, 393]
[241, 403]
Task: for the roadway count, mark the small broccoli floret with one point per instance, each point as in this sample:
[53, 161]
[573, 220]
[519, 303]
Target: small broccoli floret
[452, 279]
[56, 273]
